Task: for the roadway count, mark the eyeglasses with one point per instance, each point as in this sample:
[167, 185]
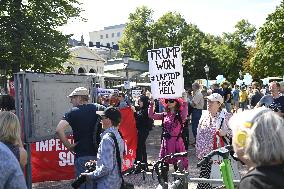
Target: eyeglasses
[169, 101]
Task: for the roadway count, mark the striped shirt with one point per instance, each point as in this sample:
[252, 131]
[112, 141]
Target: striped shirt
[107, 174]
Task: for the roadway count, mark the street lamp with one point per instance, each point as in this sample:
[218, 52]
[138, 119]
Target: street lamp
[206, 68]
[125, 59]
[241, 74]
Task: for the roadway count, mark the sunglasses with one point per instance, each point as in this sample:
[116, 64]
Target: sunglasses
[169, 101]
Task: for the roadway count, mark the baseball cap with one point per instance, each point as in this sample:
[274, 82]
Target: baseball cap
[216, 97]
[80, 91]
[111, 113]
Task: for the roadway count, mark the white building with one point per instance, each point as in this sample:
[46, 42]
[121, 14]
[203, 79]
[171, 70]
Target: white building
[108, 36]
[84, 60]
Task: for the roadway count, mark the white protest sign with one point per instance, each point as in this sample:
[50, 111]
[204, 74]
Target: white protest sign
[127, 84]
[220, 79]
[136, 93]
[247, 79]
[239, 82]
[102, 91]
[265, 81]
[166, 72]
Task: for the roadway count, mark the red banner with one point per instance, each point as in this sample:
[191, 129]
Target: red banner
[128, 131]
[52, 162]
[11, 88]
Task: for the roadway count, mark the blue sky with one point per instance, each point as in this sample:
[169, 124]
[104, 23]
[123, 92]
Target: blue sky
[211, 16]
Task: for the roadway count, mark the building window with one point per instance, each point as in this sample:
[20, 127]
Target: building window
[102, 36]
[112, 35]
[118, 34]
[106, 35]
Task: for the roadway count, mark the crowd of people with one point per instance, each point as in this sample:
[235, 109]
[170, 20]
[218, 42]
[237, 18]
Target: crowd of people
[217, 116]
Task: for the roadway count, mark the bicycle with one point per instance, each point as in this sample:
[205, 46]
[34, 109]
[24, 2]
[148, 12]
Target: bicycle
[225, 166]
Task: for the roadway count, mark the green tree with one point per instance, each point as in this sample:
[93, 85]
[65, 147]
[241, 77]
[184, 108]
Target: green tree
[169, 30]
[29, 36]
[196, 54]
[269, 57]
[233, 49]
[137, 37]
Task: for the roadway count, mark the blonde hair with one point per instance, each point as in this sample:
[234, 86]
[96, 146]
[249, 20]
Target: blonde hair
[10, 130]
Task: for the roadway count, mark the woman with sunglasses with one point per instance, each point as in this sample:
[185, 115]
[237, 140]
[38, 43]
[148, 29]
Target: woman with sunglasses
[213, 125]
[173, 120]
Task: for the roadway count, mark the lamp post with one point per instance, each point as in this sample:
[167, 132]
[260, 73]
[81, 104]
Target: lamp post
[241, 74]
[206, 68]
[241, 77]
[125, 59]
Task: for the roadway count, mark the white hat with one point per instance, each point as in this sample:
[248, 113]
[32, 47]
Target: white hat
[216, 97]
[80, 91]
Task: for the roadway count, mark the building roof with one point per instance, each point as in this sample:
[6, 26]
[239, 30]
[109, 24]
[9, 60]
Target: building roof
[134, 84]
[109, 75]
[83, 52]
[115, 26]
[117, 64]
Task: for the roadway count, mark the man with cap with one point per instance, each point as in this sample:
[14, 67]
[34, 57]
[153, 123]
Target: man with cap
[83, 120]
[107, 173]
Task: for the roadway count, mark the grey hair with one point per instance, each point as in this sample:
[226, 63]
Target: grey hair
[266, 142]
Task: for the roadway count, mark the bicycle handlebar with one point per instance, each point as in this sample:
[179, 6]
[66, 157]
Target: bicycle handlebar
[224, 152]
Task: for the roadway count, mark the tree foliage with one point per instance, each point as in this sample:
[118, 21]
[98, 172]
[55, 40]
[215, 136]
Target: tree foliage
[226, 54]
[269, 57]
[137, 37]
[169, 30]
[233, 49]
[29, 36]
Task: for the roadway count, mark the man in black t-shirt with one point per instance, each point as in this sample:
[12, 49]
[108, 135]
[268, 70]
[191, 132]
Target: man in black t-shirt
[83, 120]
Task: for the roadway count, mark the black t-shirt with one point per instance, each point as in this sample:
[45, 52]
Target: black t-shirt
[278, 104]
[143, 122]
[264, 177]
[227, 91]
[83, 119]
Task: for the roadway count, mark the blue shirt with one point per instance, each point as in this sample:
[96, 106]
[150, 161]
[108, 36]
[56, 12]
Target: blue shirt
[11, 174]
[107, 174]
[236, 95]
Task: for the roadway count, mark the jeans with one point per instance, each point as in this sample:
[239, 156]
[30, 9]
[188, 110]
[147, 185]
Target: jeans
[228, 106]
[80, 168]
[243, 105]
[196, 114]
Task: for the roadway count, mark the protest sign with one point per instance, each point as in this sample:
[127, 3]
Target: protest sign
[136, 93]
[102, 91]
[127, 85]
[220, 79]
[166, 72]
[247, 79]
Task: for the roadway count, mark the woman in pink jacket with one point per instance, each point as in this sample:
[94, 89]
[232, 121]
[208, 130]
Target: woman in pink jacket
[173, 120]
